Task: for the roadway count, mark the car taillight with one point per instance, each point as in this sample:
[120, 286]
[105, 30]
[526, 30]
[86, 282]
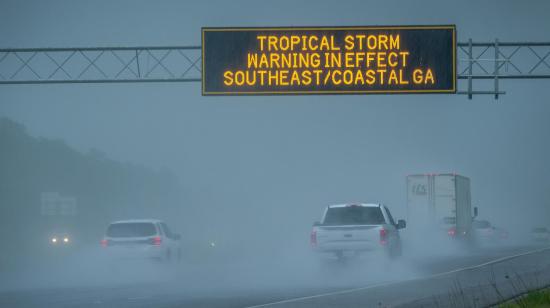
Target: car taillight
[313, 238]
[451, 232]
[383, 236]
[156, 241]
[104, 243]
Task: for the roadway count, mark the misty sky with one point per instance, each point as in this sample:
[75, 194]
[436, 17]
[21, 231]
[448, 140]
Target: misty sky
[295, 153]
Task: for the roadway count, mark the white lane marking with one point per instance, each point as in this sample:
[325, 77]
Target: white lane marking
[297, 299]
[499, 260]
[495, 261]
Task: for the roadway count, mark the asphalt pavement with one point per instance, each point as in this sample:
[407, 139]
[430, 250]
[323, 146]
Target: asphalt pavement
[479, 278]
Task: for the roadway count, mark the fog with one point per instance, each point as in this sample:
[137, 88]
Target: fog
[242, 179]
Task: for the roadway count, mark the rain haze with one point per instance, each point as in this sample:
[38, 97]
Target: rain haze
[241, 179]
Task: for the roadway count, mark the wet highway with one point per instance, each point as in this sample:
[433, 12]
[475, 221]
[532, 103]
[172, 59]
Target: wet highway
[482, 277]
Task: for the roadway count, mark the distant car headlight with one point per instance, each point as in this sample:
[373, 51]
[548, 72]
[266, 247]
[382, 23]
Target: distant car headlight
[54, 240]
[65, 239]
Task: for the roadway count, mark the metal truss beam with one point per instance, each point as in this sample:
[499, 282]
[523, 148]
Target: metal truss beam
[483, 61]
[500, 60]
[100, 65]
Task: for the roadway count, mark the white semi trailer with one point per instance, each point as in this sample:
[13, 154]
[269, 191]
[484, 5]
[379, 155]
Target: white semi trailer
[440, 204]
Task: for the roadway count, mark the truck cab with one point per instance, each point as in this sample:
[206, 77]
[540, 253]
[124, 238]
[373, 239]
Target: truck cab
[357, 228]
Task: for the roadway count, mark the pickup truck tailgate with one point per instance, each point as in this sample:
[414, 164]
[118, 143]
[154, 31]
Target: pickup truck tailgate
[348, 237]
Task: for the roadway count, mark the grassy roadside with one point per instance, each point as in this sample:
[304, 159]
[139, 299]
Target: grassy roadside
[535, 299]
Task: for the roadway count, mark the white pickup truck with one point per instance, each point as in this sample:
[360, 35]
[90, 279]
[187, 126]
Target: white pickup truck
[357, 228]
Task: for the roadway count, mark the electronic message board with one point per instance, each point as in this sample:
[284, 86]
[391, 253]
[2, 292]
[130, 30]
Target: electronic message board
[329, 60]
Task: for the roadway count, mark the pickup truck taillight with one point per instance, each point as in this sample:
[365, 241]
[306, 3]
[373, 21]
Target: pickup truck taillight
[313, 238]
[156, 241]
[383, 236]
[104, 243]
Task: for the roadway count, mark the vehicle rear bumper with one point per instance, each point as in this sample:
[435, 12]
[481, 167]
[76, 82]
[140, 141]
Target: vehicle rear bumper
[138, 252]
[348, 246]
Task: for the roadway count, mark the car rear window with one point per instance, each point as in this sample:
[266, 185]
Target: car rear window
[540, 230]
[133, 229]
[354, 215]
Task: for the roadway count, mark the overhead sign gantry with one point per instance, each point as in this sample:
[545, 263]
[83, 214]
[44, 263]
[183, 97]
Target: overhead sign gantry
[480, 66]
